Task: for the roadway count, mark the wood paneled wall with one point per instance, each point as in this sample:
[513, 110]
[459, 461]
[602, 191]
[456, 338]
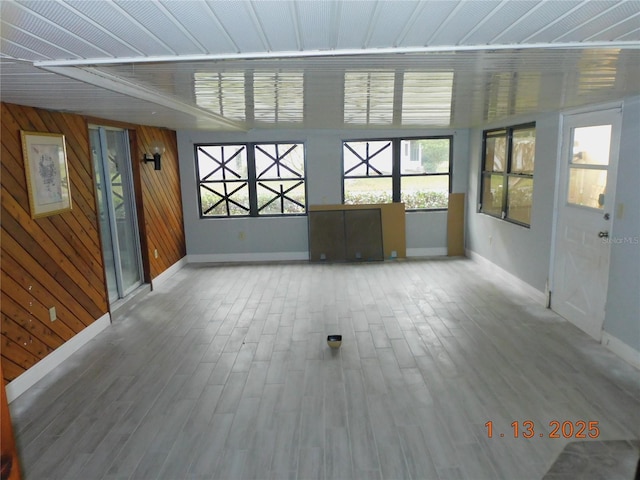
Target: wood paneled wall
[48, 262]
[57, 260]
[161, 200]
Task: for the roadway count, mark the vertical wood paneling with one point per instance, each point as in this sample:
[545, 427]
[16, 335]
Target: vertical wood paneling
[47, 262]
[162, 200]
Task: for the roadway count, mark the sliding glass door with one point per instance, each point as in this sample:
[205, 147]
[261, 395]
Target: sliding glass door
[116, 210]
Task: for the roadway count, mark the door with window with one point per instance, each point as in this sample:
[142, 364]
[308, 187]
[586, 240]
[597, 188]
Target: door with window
[116, 210]
[586, 197]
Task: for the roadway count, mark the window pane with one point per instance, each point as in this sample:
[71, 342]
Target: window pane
[425, 192]
[492, 191]
[280, 197]
[368, 190]
[281, 160]
[367, 158]
[587, 187]
[591, 145]
[524, 150]
[424, 156]
[496, 153]
[222, 162]
[520, 199]
[224, 198]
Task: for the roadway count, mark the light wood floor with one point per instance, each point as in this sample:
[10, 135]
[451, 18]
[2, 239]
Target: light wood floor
[224, 372]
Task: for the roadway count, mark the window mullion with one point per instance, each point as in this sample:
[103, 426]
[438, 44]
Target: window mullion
[395, 170]
[507, 170]
[251, 173]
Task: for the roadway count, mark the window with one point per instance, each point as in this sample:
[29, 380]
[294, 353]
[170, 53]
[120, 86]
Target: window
[507, 173]
[255, 179]
[415, 171]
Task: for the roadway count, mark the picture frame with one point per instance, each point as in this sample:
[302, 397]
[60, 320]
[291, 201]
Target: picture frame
[47, 173]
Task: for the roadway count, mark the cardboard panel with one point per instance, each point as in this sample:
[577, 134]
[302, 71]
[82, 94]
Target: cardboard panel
[455, 225]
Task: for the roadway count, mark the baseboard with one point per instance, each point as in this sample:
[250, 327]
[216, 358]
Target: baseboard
[21, 384]
[529, 290]
[172, 270]
[427, 252]
[621, 349]
[248, 257]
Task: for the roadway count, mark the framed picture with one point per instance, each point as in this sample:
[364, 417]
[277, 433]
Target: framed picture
[45, 162]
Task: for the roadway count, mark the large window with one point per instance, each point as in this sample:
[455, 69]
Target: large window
[254, 179]
[507, 173]
[415, 171]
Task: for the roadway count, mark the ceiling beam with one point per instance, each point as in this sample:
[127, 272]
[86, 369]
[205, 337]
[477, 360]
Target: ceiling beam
[336, 53]
[119, 85]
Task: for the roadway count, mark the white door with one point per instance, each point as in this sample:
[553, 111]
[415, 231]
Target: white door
[586, 196]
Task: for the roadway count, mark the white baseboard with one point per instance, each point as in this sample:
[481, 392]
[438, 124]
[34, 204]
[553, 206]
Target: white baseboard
[21, 384]
[248, 257]
[427, 252]
[529, 290]
[621, 349]
[172, 270]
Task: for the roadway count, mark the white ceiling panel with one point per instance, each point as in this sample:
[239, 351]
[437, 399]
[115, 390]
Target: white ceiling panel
[464, 17]
[310, 15]
[47, 29]
[430, 17]
[543, 14]
[238, 23]
[131, 32]
[584, 13]
[82, 27]
[24, 45]
[613, 15]
[163, 27]
[352, 23]
[278, 24]
[202, 23]
[619, 30]
[390, 23]
[488, 26]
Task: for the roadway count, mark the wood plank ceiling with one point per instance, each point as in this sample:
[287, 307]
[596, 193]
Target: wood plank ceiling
[317, 64]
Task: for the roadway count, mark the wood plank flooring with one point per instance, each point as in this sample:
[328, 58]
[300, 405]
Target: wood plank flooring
[224, 372]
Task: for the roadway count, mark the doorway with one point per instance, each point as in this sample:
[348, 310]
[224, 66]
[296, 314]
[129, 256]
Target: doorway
[116, 210]
[586, 199]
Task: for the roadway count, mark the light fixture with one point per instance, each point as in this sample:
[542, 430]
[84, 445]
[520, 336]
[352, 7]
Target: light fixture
[158, 149]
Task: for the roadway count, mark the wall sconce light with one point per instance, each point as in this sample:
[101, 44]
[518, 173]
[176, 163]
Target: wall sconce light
[158, 149]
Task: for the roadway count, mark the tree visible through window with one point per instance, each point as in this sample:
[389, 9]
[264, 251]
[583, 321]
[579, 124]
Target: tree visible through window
[507, 173]
[414, 171]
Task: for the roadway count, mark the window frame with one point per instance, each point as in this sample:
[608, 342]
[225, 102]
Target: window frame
[396, 174]
[507, 173]
[253, 179]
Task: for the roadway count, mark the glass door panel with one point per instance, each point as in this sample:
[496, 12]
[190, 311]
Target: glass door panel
[116, 204]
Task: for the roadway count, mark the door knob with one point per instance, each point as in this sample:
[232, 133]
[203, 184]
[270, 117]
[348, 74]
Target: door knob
[603, 234]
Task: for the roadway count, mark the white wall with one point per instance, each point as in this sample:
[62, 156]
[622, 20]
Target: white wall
[222, 239]
[622, 314]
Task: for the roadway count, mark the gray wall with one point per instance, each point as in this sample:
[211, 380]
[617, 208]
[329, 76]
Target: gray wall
[523, 252]
[622, 316]
[273, 238]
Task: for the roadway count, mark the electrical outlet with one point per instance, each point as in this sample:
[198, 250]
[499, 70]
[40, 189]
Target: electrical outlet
[242, 235]
[155, 252]
[52, 314]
